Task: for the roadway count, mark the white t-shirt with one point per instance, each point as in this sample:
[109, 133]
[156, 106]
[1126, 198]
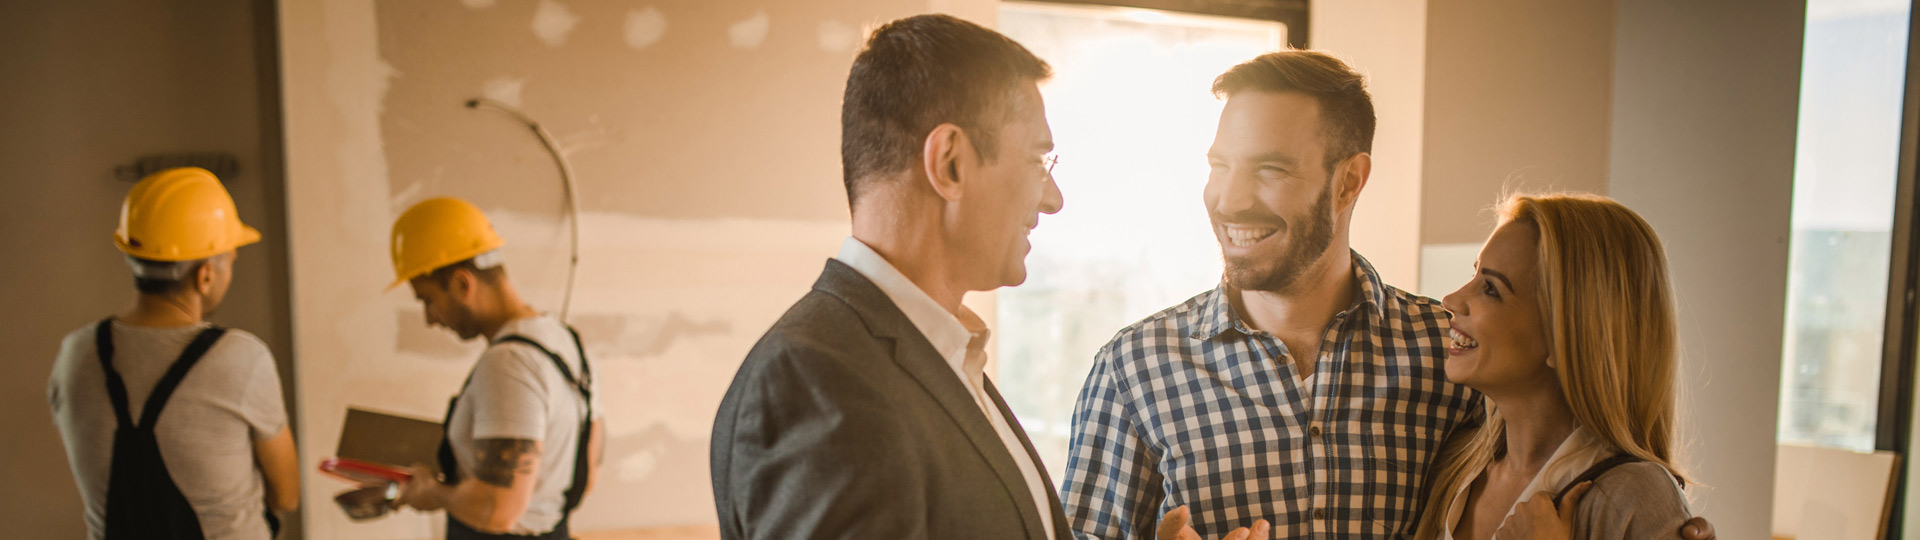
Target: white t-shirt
[516, 393]
[229, 399]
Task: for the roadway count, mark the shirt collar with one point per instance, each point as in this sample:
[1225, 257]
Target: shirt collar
[948, 334]
[1217, 316]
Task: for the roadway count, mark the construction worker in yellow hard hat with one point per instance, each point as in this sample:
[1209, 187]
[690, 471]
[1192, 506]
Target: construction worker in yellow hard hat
[528, 400]
[207, 398]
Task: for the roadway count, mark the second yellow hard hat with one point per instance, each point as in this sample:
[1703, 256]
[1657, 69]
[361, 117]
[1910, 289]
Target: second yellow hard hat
[438, 232]
[180, 214]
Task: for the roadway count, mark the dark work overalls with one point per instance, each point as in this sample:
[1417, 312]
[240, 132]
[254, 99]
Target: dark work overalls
[142, 500]
[450, 468]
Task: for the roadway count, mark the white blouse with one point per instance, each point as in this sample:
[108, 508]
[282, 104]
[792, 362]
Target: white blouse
[1575, 455]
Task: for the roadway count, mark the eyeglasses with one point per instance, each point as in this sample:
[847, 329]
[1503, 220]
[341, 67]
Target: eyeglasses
[1052, 160]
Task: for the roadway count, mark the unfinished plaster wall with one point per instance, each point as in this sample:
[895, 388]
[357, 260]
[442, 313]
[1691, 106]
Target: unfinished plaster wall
[90, 85]
[704, 137]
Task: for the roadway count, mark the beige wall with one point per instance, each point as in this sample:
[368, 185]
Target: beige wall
[705, 141]
[1705, 104]
[91, 85]
[1518, 96]
[1386, 40]
[1517, 99]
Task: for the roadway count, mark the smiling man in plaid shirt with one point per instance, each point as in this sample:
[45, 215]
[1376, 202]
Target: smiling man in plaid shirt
[1302, 390]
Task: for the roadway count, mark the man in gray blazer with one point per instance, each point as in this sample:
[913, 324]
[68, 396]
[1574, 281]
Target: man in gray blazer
[863, 412]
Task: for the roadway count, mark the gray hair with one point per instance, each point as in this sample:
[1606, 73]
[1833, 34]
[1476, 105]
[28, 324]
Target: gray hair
[163, 270]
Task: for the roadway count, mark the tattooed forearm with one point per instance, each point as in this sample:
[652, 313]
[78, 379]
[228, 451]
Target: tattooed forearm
[502, 459]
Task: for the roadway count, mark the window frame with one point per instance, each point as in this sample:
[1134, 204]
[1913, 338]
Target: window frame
[1901, 345]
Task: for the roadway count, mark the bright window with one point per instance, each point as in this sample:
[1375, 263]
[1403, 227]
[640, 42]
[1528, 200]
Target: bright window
[1853, 78]
[1132, 116]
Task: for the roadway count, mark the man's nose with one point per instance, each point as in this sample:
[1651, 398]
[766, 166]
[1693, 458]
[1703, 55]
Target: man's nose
[1236, 195]
[1051, 200]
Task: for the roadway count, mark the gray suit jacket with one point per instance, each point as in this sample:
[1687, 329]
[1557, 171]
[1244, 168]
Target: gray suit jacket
[843, 422]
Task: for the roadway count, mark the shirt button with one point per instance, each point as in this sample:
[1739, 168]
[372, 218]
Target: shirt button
[1314, 430]
[1319, 513]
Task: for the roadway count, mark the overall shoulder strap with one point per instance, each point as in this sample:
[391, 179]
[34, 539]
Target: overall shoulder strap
[163, 390]
[586, 368]
[578, 488]
[1594, 472]
[116, 388]
[580, 383]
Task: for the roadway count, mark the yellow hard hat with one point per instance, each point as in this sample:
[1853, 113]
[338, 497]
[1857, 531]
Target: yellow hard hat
[438, 232]
[181, 214]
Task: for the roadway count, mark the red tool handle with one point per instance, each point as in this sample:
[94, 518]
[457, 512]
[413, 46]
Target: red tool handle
[362, 472]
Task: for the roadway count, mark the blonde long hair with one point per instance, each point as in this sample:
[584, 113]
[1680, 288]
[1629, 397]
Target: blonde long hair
[1608, 306]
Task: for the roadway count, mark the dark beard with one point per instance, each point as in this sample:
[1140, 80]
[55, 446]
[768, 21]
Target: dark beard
[469, 326]
[1307, 240]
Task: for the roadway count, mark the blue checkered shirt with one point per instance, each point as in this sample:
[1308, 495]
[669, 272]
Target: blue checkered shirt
[1191, 407]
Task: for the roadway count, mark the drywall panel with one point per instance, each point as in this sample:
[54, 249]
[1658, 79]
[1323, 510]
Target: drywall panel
[1705, 96]
[704, 138]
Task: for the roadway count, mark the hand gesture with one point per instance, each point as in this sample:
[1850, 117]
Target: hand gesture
[1177, 525]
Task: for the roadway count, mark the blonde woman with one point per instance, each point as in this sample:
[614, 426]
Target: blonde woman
[1568, 330]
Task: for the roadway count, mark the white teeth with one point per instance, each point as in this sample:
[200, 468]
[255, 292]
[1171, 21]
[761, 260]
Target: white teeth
[1461, 341]
[1246, 237]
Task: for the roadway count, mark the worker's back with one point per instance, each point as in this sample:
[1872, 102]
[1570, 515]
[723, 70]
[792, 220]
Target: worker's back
[205, 432]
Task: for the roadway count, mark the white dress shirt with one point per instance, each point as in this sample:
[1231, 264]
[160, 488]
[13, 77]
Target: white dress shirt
[950, 337]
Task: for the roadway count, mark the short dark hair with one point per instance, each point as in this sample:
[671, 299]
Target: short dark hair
[1346, 109]
[443, 276]
[917, 73]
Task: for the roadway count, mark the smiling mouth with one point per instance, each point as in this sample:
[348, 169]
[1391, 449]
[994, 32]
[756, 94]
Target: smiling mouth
[1461, 341]
[1247, 236]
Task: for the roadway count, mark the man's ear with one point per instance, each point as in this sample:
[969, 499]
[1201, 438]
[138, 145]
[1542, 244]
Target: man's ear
[1352, 178]
[941, 156]
[460, 286]
[203, 277]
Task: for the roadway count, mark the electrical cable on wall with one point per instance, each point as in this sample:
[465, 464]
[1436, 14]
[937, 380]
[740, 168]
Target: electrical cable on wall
[566, 182]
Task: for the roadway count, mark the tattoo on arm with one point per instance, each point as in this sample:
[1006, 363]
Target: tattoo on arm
[500, 460]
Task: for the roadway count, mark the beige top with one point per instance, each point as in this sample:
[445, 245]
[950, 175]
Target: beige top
[1633, 501]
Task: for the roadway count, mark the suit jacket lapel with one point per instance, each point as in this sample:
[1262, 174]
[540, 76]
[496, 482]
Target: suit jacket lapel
[917, 357]
[1060, 529]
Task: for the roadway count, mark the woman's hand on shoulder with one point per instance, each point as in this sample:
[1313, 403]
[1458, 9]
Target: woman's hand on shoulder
[1539, 519]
